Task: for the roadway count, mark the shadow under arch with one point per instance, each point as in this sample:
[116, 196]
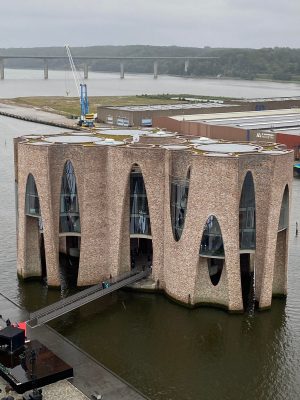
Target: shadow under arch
[212, 248]
[179, 192]
[141, 248]
[69, 228]
[35, 246]
[247, 239]
[280, 266]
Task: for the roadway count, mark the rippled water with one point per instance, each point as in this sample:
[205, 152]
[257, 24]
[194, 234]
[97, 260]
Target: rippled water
[165, 350]
[18, 83]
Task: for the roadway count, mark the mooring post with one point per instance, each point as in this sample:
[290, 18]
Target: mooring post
[2, 68]
[86, 70]
[45, 68]
[155, 69]
[121, 70]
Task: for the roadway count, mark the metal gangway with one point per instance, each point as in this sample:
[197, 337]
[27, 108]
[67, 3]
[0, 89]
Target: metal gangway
[79, 299]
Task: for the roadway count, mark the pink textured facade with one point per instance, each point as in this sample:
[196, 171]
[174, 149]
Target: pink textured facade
[197, 252]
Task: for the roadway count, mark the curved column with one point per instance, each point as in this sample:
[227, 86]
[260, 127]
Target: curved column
[1, 68]
[281, 257]
[85, 70]
[27, 156]
[122, 70]
[46, 70]
[186, 66]
[32, 265]
[155, 69]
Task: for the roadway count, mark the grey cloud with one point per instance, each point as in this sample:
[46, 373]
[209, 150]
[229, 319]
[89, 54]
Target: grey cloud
[218, 23]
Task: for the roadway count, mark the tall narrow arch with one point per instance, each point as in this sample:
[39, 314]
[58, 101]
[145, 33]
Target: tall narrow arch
[178, 203]
[247, 214]
[284, 211]
[212, 248]
[247, 238]
[32, 201]
[280, 265]
[140, 225]
[35, 248]
[69, 227]
[69, 205]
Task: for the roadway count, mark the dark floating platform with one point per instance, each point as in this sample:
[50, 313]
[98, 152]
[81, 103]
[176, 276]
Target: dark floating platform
[16, 368]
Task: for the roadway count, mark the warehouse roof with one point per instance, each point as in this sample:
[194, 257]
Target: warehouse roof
[160, 107]
[269, 119]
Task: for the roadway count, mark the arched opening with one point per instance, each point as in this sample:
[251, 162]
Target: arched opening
[212, 248]
[35, 247]
[178, 203]
[247, 229]
[279, 279]
[141, 251]
[69, 228]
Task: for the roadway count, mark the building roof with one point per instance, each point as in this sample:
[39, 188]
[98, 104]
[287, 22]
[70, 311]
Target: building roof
[163, 107]
[248, 120]
[295, 131]
[151, 139]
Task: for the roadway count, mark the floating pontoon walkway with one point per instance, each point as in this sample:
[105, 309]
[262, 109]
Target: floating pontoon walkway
[70, 303]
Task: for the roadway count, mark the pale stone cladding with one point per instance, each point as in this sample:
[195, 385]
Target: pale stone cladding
[215, 186]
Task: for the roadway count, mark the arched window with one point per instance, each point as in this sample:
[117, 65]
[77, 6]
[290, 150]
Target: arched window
[178, 203]
[139, 210]
[69, 207]
[284, 211]
[212, 241]
[247, 218]
[32, 203]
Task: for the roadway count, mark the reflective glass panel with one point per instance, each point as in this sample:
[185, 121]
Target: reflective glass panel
[139, 211]
[69, 207]
[178, 204]
[32, 203]
[284, 211]
[212, 241]
[247, 218]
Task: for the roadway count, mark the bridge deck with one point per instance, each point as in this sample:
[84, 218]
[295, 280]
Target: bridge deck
[85, 296]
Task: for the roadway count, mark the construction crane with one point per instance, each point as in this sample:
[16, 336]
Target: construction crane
[86, 119]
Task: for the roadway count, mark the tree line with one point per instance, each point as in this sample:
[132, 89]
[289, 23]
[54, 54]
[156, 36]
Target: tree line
[267, 63]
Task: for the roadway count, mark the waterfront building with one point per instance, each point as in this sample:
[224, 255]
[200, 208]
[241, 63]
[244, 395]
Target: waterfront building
[150, 114]
[207, 215]
[143, 115]
[277, 126]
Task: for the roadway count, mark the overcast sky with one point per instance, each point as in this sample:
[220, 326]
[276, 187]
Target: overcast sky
[197, 23]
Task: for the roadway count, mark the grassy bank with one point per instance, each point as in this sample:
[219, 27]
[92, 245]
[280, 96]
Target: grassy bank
[70, 105]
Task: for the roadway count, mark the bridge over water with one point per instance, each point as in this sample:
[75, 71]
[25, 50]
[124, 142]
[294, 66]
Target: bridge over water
[85, 296]
[156, 59]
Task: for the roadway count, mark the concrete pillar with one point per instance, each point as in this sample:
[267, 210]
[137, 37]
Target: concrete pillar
[45, 68]
[86, 70]
[186, 66]
[155, 69]
[1, 68]
[122, 70]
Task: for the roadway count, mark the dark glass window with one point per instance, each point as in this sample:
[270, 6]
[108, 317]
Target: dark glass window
[69, 207]
[212, 241]
[247, 218]
[139, 211]
[284, 211]
[32, 203]
[179, 199]
[215, 268]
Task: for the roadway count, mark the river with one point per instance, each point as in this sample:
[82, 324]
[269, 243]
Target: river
[20, 83]
[163, 349]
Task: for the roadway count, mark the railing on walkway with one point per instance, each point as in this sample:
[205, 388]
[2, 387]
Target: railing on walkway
[74, 301]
